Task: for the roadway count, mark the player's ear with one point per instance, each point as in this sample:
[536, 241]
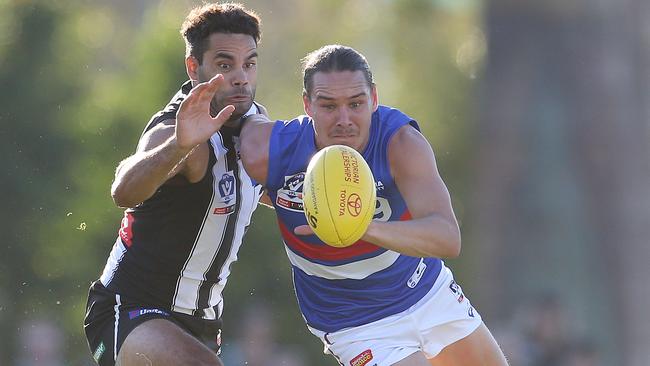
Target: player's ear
[374, 96]
[306, 103]
[192, 67]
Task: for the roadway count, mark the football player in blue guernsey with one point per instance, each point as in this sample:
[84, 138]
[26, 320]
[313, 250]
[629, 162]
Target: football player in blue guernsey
[189, 201]
[388, 299]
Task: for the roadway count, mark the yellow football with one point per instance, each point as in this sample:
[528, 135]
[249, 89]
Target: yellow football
[339, 195]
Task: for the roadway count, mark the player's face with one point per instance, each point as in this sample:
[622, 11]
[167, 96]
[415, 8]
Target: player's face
[235, 57]
[341, 104]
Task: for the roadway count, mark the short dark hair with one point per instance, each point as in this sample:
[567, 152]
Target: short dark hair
[333, 58]
[206, 19]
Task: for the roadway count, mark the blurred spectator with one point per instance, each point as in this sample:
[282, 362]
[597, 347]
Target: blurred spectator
[256, 344]
[547, 331]
[582, 353]
[539, 334]
[40, 343]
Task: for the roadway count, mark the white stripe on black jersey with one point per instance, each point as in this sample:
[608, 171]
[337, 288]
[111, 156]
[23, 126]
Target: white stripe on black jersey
[223, 232]
[176, 248]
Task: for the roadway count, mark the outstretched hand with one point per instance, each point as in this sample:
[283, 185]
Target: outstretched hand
[303, 230]
[194, 124]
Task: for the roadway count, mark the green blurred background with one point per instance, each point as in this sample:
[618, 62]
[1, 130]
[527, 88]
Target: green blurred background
[539, 114]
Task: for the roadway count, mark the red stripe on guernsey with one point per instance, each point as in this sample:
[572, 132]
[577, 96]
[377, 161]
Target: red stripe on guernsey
[125, 229]
[405, 216]
[324, 252]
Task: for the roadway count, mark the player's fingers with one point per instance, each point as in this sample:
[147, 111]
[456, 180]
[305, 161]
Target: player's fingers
[216, 78]
[224, 114]
[213, 84]
[185, 107]
[303, 230]
[204, 92]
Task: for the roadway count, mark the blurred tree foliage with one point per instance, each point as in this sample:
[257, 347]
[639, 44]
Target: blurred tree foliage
[81, 79]
[36, 95]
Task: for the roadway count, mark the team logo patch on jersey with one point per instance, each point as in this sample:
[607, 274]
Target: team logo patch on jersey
[362, 359]
[136, 313]
[225, 204]
[290, 195]
[227, 187]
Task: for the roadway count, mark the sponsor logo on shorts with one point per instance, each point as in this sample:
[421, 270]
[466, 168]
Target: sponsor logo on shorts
[470, 312]
[362, 359]
[455, 288]
[99, 352]
[136, 313]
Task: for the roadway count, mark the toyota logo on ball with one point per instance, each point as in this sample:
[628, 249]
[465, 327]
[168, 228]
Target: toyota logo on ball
[354, 204]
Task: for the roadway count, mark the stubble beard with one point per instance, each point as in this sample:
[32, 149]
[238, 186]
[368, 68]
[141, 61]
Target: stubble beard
[216, 106]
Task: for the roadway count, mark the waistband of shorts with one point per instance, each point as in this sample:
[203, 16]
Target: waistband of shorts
[443, 278]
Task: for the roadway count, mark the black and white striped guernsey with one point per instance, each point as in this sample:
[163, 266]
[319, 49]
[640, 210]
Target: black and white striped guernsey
[175, 249]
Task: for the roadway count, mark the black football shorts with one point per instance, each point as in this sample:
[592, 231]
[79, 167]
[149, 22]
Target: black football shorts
[110, 317]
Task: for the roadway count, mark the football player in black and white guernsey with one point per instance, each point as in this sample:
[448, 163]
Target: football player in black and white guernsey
[189, 201]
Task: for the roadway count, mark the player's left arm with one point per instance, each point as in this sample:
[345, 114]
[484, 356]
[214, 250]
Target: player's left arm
[433, 230]
[265, 200]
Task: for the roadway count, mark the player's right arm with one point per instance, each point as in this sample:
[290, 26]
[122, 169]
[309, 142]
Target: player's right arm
[172, 147]
[433, 229]
[157, 158]
[255, 138]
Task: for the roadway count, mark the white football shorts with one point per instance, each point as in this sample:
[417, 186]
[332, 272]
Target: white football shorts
[440, 318]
